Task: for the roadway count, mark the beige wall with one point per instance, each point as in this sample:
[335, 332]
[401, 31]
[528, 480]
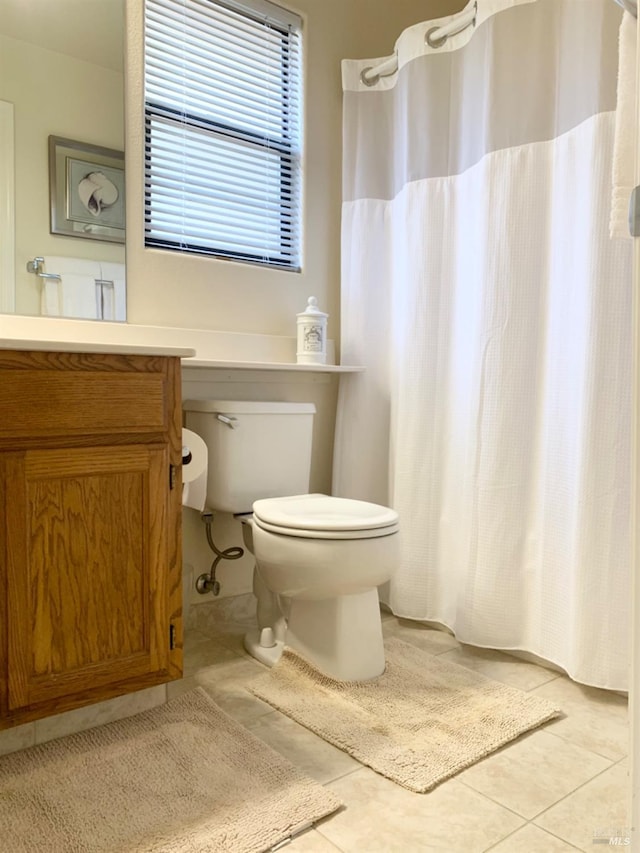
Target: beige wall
[58, 95]
[166, 289]
[376, 24]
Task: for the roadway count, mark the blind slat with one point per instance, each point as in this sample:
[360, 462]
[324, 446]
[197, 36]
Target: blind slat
[223, 117]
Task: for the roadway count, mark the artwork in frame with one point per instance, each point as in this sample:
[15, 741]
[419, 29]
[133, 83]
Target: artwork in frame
[87, 190]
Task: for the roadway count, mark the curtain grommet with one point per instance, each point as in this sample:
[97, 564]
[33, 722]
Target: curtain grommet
[434, 42]
[369, 81]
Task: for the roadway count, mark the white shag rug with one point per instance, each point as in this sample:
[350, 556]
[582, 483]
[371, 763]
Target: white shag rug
[181, 778]
[422, 721]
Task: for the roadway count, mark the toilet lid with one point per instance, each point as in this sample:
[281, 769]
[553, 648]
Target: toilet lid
[324, 514]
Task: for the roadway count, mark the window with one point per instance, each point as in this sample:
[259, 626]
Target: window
[222, 124]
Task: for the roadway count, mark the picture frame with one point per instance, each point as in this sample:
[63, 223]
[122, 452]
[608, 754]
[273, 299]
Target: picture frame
[87, 190]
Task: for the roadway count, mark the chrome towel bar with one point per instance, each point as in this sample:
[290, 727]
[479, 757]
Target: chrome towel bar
[35, 266]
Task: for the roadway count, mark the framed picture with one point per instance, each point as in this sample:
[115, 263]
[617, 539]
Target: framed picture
[87, 192]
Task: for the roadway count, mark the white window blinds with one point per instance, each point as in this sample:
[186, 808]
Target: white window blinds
[223, 117]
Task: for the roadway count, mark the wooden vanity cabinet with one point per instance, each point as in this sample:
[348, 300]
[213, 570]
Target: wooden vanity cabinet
[90, 524]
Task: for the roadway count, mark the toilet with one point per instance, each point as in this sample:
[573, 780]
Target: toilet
[319, 559]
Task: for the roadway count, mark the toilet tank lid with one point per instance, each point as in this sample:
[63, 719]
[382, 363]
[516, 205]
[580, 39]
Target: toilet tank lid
[246, 407]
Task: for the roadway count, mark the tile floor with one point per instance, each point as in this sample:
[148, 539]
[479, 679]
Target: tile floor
[560, 788]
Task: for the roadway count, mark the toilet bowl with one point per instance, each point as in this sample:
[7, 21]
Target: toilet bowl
[319, 559]
[323, 558]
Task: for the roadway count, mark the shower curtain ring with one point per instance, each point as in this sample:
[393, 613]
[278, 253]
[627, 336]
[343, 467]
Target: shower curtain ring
[369, 81]
[434, 42]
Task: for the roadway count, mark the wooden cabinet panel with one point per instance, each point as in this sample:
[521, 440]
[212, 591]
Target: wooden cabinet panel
[43, 404]
[90, 554]
[101, 395]
[89, 529]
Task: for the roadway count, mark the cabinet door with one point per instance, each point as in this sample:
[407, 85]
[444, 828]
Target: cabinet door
[86, 569]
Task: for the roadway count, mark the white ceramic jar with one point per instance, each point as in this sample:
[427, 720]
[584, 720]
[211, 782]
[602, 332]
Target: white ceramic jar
[312, 334]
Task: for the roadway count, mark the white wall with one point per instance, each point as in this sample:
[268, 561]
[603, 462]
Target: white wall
[53, 94]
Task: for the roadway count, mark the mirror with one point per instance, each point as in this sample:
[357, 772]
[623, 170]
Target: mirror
[61, 76]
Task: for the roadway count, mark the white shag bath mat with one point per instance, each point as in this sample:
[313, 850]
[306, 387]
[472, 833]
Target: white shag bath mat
[181, 778]
[422, 721]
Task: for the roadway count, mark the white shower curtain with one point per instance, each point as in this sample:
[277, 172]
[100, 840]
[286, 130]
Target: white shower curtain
[481, 290]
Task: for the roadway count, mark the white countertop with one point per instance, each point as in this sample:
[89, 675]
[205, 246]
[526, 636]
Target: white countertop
[59, 335]
[200, 348]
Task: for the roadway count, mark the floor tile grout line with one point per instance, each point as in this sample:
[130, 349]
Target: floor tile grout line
[520, 828]
[592, 751]
[325, 837]
[547, 808]
[571, 794]
[491, 799]
[344, 775]
[554, 676]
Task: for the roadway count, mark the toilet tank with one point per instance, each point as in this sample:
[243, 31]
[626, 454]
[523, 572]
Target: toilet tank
[256, 450]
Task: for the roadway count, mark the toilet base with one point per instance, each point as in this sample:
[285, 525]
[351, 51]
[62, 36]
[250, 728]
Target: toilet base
[268, 655]
[341, 637]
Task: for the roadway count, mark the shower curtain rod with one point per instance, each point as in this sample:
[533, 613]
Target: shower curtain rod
[434, 37]
[437, 36]
[631, 6]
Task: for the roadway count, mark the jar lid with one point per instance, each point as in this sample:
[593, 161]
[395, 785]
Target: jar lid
[312, 309]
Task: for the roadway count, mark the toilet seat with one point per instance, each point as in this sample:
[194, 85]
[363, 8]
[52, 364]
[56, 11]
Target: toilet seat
[322, 517]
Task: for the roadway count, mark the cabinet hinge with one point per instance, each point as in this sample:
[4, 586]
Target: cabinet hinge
[172, 636]
[172, 476]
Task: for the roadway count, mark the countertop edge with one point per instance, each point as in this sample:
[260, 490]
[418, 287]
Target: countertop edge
[200, 363]
[94, 347]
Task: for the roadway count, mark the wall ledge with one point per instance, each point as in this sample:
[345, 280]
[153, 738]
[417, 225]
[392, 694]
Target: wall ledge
[201, 348]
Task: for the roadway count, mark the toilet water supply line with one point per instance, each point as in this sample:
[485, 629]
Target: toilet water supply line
[207, 582]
